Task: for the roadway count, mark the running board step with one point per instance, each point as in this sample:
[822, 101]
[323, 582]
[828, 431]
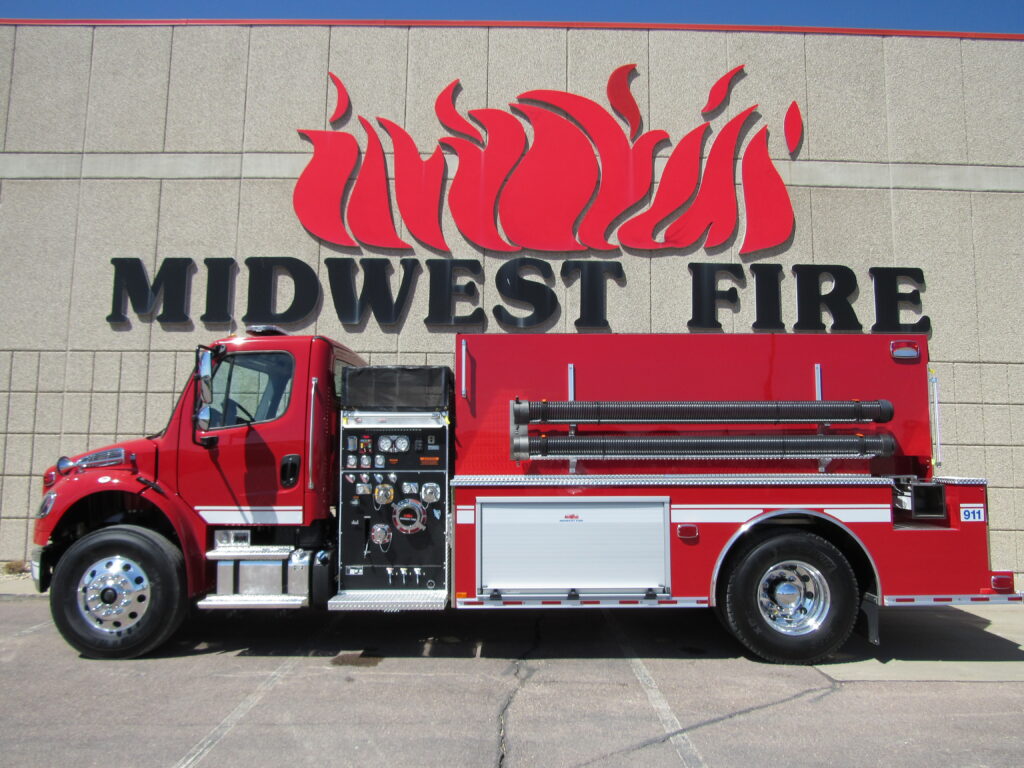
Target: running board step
[389, 600]
[253, 601]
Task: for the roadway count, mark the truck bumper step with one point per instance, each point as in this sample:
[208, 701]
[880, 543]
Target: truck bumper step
[389, 600]
[253, 601]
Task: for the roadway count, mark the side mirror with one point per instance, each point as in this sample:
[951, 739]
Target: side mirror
[204, 367]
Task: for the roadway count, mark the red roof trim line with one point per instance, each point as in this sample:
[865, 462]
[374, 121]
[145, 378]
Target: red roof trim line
[513, 24]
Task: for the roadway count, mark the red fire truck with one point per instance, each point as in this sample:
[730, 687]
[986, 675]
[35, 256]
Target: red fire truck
[787, 481]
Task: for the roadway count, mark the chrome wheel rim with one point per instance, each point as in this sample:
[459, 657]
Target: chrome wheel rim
[113, 594]
[793, 597]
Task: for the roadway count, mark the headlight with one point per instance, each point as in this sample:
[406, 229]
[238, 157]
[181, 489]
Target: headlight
[46, 505]
[108, 458]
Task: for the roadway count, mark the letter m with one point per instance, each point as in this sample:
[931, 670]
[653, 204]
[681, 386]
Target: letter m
[171, 284]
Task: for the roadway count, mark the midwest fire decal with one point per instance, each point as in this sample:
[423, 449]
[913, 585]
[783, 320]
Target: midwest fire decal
[585, 184]
[585, 180]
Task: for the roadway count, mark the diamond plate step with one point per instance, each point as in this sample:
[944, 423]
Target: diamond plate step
[389, 600]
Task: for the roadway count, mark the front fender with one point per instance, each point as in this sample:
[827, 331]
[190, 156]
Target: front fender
[73, 514]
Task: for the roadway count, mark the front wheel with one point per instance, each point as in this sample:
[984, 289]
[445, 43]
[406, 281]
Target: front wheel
[791, 598]
[118, 592]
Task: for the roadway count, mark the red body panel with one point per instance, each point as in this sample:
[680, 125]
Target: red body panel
[706, 367]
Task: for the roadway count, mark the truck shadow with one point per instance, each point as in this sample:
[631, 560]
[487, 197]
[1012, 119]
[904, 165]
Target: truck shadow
[366, 639]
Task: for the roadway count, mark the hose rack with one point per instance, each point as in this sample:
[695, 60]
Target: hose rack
[701, 412]
[703, 446]
[820, 446]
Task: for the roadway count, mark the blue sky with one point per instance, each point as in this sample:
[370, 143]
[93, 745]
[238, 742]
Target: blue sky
[1000, 16]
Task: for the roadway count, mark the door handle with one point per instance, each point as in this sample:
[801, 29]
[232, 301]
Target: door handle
[290, 470]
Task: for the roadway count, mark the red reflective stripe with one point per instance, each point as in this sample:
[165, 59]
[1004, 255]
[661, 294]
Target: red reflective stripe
[668, 602]
[702, 601]
[629, 602]
[590, 602]
[472, 602]
[1014, 599]
[979, 599]
[550, 602]
[903, 599]
[942, 599]
[511, 602]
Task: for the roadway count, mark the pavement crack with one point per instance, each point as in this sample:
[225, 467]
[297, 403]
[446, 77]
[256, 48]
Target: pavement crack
[521, 672]
[808, 692]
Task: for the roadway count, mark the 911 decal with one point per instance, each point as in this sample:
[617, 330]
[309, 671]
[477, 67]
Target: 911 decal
[972, 514]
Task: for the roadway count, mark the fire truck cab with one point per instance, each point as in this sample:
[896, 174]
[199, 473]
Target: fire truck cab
[787, 481]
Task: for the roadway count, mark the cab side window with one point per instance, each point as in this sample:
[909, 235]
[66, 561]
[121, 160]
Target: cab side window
[249, 388]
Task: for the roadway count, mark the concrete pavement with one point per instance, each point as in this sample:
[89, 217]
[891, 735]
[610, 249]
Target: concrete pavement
[525, 688]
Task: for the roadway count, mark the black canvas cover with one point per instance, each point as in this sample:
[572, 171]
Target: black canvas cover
[397, 388]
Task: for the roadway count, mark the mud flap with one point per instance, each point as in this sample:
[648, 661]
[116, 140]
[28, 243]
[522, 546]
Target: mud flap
[867, 621]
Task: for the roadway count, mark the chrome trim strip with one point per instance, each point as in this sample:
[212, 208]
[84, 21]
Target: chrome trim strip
[698, 457]
[312, 413]
[960, 480]
[393, 419]
[547, 481]
[235, 552]
[253, 601]
[895, 601]
[585, 601]
[463, 374]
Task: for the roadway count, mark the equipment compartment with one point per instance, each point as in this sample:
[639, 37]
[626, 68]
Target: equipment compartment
[561, 547]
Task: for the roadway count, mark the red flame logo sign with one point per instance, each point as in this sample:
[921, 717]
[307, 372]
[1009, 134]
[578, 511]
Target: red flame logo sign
[585, 182]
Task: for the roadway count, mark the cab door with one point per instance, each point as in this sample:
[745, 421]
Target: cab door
[248, 468]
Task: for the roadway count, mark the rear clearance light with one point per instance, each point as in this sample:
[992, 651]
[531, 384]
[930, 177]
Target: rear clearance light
[905, 350]
[1002, 582]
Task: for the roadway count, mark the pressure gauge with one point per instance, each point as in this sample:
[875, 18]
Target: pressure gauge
[401, 444]
[385, 443]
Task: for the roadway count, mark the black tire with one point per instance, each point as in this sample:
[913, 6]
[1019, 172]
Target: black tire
[119, 592]
[791, 598]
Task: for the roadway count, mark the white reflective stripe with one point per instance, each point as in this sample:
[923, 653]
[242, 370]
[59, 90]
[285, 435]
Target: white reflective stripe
[711, 515]
[739, 513]
[227, 515]
[465, 515]
[861, 514]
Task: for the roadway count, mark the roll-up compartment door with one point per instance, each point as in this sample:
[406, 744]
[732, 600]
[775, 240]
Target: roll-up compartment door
[553, 545]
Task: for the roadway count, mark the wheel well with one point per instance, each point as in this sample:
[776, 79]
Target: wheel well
[101, 510]
[837, 536]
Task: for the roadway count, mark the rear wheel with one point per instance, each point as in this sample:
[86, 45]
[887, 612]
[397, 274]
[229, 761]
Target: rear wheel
[118, 592]
[791, 598]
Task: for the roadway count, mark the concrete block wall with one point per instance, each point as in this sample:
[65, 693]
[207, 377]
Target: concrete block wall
[155, 142]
